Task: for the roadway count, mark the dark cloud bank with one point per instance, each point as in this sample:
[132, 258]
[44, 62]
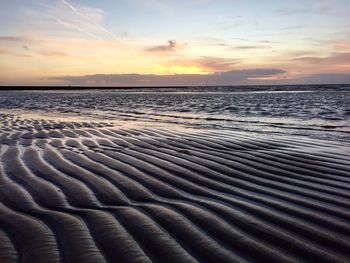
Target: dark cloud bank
[240, 77]
[218, 78]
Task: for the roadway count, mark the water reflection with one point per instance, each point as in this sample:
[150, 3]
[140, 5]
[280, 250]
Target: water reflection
[316, 113]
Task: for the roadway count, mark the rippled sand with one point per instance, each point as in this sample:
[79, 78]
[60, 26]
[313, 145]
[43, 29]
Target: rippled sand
[95, 192]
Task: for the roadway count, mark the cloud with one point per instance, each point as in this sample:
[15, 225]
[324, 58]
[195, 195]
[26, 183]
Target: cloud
[324, 78]
[12, 39]
[251, 47]
[61, 19]
[206, 63]
[248, 76]
[236, 44]
[23, 50]
[76, 27]
[301, 53]
[215, 64]
[238, 77]
[171, 46]
[333, 59]
[89, 20]
[56, 54]
[11, 43]
[266, 41]
[9, 52]
[3, 50]
[296, 27]
[341, 46]
[312, 79]
[170, 7]
[319, 10]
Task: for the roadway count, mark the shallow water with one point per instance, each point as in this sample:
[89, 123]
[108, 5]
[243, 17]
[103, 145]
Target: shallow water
[318, 112]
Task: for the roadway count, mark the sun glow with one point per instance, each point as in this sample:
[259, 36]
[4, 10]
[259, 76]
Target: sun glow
[176, 69]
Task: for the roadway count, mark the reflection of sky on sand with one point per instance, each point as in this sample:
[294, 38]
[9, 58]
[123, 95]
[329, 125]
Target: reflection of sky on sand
[190, 123]
[38, 115]
[323, 113]
[41, 123]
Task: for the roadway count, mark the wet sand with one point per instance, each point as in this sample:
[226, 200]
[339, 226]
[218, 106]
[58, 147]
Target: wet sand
[94, 192]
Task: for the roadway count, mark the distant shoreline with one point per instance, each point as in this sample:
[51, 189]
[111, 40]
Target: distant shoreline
[239, 87]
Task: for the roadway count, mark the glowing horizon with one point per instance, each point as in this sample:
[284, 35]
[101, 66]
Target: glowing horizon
[154, 42]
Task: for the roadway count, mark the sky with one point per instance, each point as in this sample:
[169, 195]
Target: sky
[174, 42]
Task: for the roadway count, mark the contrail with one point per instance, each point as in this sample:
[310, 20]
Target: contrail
[76, 28]
[105, 30]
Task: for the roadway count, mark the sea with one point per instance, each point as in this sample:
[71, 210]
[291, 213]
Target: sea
[321, 112]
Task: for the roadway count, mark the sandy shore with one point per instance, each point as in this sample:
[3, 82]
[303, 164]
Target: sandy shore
[91, 192]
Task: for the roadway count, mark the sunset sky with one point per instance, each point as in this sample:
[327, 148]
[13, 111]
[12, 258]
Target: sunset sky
[168, 42]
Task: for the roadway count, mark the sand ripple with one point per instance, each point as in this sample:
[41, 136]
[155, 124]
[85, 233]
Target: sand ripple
[88, 192]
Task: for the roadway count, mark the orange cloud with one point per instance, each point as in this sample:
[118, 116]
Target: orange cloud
[215, 64]
[332, 62]
[178, 69]
[201, 65]
[341, 46]
[57, 54]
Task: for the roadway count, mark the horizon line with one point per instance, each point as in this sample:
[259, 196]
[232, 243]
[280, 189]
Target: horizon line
[72, 87]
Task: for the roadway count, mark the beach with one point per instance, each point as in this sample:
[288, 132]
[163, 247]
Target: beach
[77, 188]
[84, 182]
